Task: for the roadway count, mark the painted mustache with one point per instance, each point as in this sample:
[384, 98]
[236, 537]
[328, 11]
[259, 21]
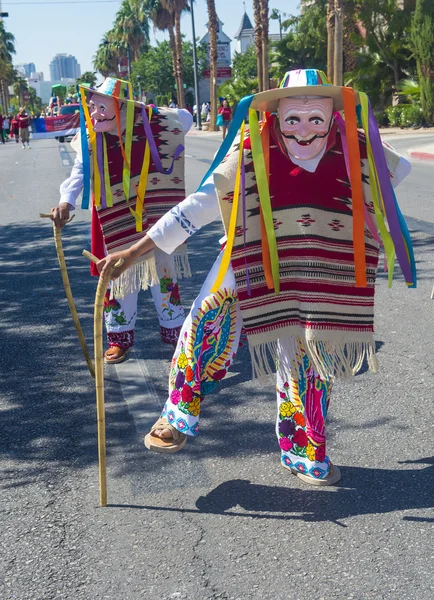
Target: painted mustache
[103, 120]
[303, 142]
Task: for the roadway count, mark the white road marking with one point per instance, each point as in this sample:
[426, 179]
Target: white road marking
[139, 392]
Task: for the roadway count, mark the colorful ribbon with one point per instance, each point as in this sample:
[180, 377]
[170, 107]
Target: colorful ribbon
[356, 187]
[153, 147]
[264, 196]
[397, 227]
[239, 117]
[227, 253]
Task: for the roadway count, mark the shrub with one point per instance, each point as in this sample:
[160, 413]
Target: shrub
[411, 116]
[394, 115]
[381, 118]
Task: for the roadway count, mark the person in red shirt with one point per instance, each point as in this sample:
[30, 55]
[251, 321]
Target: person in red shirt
[15, 128]
[23, 124]
[226, 113]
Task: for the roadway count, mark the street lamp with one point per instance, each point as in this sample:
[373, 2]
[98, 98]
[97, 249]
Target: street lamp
[196, 86]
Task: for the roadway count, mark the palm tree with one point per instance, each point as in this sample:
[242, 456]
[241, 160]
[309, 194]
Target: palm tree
[106, 58]
[339, 43]
[330, 38]
[258, 42]
[163, 20]
[131, 27]
[7, 74]
[264, 43]
[213, 28]
[20, 86]
[176, 7]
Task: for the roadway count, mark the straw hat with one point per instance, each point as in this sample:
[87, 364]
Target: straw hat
[115, 88]
[300, 82]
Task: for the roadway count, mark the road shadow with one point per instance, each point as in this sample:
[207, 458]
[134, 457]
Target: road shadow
[361, 492]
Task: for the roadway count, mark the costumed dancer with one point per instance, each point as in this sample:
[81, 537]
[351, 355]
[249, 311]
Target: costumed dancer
[124, 152]
[304, 201]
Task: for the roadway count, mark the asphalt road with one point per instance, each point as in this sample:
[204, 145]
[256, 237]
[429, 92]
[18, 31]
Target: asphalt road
[220, 520]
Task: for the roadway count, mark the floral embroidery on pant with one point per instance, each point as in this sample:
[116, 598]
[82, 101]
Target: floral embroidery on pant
[122, 339]
[170, 335]
[113, 313]
[302, 413]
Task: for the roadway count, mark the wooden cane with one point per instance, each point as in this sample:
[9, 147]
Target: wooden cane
[99, 374]
[62, 263]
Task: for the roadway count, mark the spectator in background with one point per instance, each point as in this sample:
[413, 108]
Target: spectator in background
[15, 132]
[6, 127]
[2, 130]
[225, 113]
[23, 125]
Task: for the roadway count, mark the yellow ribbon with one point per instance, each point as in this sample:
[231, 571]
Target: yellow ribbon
[264, 195]
[226, 258]
[389, 247]
[143, 180]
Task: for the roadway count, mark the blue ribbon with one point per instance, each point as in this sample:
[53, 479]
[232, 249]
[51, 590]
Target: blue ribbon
[406, 235]
[240, 116]
[85, 160]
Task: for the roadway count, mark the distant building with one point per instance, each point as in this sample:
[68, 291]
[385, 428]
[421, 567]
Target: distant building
[245, 34]
[25, 69]
[224, 71]
[43, 88]
[64, 66]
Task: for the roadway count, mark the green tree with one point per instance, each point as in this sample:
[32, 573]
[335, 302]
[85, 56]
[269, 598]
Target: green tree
[87, 77]
[234, 90]
[245, 66]
[303, 45]
[35, 102]
[422, 42]
[387, 33]
[244, 80]
[155, 68]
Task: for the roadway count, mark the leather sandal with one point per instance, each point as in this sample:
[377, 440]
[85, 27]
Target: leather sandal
[165, 445]
[115, 355]
[332, 478]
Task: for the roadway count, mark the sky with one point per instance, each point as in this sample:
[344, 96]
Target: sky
[44, 28]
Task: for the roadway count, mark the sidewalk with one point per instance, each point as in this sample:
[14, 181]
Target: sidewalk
[425, 152]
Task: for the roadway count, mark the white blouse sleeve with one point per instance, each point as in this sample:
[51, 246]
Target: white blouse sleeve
[72, 187]
[190, 215]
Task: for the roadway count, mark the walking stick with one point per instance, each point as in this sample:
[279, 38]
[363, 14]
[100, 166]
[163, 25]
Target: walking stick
[99, 375]
[62, 263]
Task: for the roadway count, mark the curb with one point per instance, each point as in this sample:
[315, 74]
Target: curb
[421, 155]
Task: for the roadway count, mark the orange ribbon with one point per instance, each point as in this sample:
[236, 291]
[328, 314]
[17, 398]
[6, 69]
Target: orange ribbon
[356, 186]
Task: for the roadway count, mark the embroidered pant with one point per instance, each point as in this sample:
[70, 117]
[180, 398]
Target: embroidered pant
[120, 314]
[205, 351]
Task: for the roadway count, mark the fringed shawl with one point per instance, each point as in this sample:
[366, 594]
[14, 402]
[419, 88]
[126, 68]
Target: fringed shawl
[319, 308]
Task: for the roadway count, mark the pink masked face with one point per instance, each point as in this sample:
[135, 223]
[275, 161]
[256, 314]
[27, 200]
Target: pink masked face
[102, 113]
[305, 125]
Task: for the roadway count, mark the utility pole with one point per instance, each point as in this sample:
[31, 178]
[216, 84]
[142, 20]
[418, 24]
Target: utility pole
[196, 83]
